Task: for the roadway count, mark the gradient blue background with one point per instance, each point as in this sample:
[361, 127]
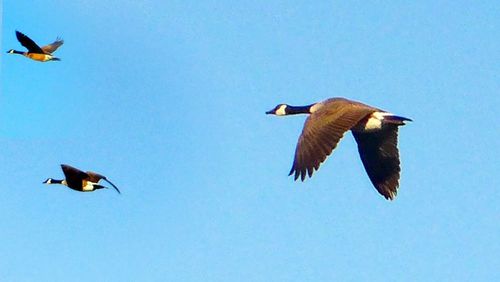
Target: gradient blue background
[167, 99]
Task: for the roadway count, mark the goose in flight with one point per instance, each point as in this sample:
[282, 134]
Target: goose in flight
[79, 180]
[35, 52]
[375, 131]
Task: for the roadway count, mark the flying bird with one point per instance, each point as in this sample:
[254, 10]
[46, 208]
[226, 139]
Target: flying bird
[79, 180]
[35, 52]
[375, 131]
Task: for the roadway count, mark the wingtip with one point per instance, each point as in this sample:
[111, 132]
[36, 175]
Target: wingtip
[19, 34]
[391, 197]
[294, 173]
[389, 193]
[114, 186]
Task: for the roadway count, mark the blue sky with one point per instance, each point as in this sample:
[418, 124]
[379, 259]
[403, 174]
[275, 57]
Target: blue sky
[167, 99]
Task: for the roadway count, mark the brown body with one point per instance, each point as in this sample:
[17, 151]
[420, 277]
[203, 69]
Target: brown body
[38, 57]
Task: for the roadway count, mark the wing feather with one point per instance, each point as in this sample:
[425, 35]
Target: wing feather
[96, 177]
[28, 43]
[74, 176]
[380, 156]
[51, 48]
[322, 131]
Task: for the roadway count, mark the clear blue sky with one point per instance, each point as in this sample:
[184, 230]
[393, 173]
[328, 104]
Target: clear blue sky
[167, 99]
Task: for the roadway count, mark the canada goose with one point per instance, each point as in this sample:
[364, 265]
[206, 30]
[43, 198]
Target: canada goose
[374, 130]
[79, 180]
[36, 53]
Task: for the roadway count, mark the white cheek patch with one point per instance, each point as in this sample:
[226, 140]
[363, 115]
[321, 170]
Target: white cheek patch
[281, 111]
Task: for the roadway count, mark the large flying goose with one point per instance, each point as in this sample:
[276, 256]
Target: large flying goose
[374, 130]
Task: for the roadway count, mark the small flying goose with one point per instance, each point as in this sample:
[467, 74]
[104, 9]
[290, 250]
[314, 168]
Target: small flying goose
[35, 52]
[79, 180]
[374, 130]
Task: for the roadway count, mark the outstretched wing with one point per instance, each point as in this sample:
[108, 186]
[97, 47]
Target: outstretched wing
[322, 131]
[379, 152]
[96, 177]
[50, 48]
[73, 176]
[28, 43]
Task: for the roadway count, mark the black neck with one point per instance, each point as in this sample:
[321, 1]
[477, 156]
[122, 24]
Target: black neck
[56, 181]
[18, 52]
[295, 110]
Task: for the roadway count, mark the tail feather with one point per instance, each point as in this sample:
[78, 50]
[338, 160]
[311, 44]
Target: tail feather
[399, 120]
[55, 59]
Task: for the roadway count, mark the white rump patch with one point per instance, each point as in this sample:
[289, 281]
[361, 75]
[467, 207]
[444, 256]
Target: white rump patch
[47, 57]
[89, 186]
[375, 121]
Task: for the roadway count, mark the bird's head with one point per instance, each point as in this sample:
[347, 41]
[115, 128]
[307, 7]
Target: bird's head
[48, 181]
[279, 110]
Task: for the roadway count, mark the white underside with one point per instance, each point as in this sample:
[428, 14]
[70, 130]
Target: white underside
[89, 186]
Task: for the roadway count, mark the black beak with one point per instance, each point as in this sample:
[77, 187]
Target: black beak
[270, 112]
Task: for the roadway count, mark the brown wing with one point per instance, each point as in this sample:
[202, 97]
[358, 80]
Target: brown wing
[49, 49]
[380, 156]
[322, 131]
[96, 177]
[74, 176]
